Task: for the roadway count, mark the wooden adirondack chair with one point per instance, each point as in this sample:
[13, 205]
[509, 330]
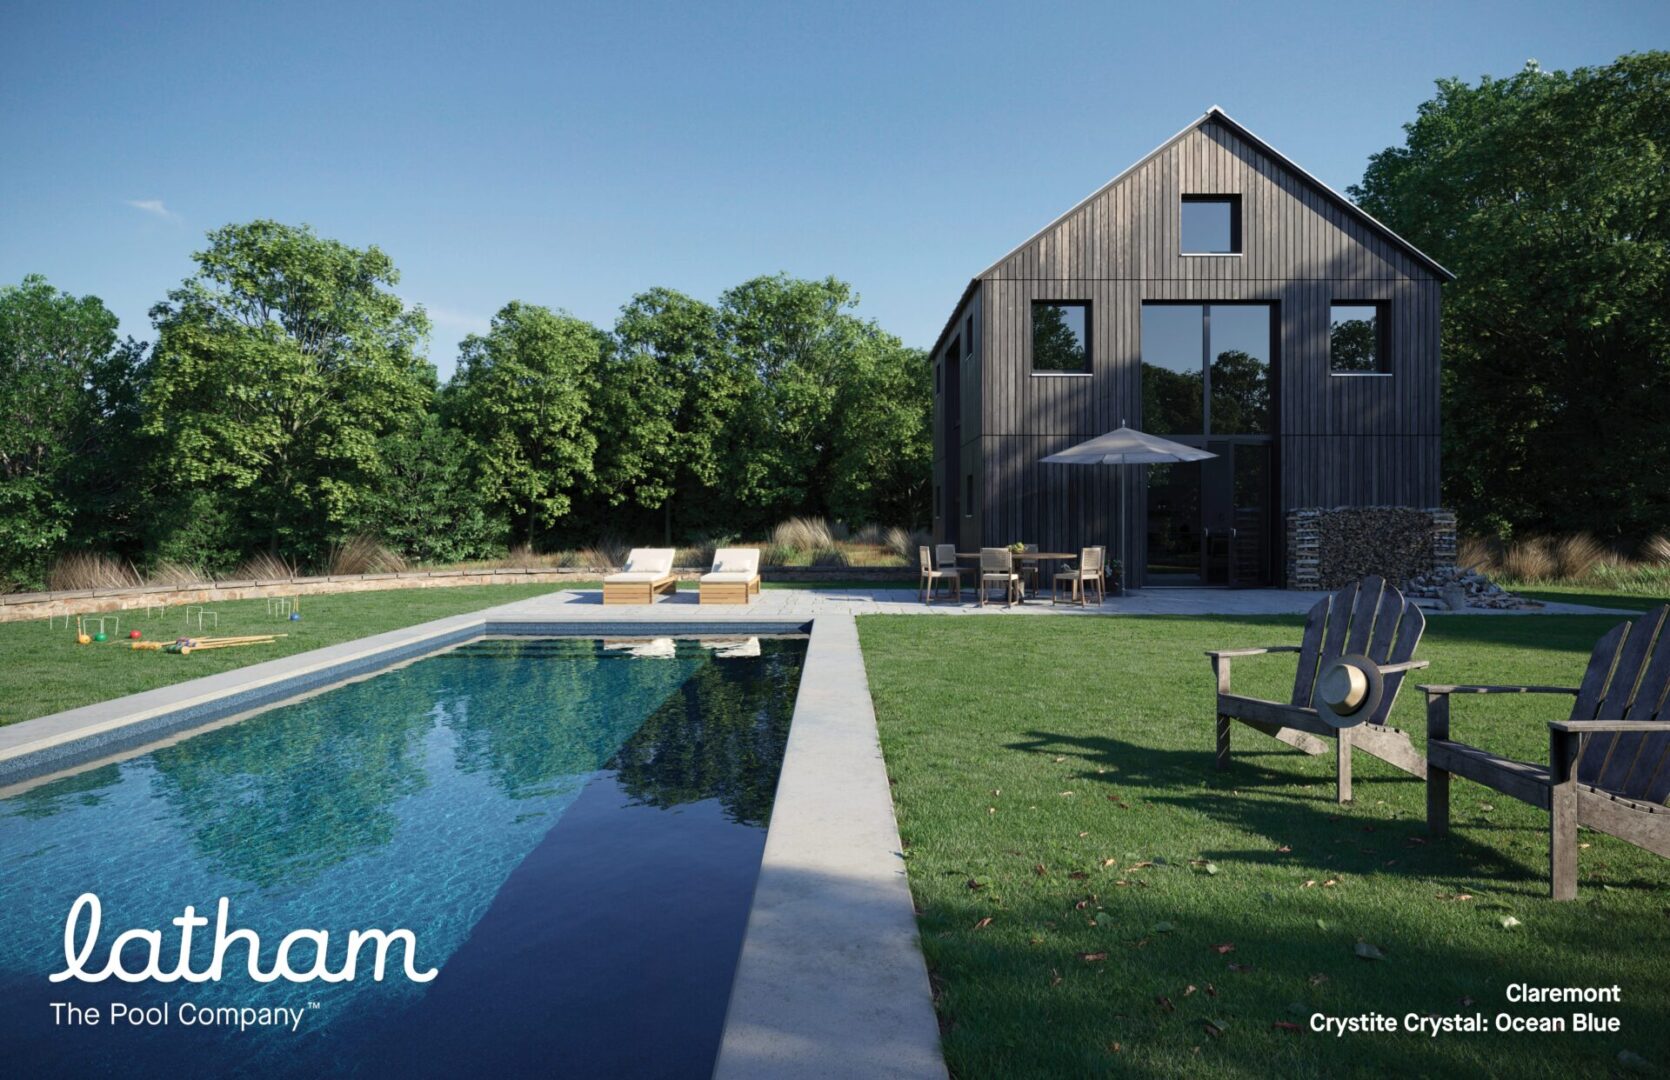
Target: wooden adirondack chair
[1608, 766]
[1369, 620]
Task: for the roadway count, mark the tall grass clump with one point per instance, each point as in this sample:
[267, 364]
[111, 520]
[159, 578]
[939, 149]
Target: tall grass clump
[904, 543]
[831, 556]
[264, 567]
[1531, 559]
[177, 574]
[1576, 555]
[804, 534]
[1657, 550]
[608, 553]
[90, 570]
[363, 555]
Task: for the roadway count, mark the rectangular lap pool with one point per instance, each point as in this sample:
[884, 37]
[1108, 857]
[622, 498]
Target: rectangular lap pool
[571, 829]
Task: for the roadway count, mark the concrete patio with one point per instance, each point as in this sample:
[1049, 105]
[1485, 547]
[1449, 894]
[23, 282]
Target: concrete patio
[587, 604]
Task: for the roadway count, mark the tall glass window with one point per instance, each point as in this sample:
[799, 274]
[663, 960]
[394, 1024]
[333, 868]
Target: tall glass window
[1354, 339]
[1206, 369]
[1061, 336]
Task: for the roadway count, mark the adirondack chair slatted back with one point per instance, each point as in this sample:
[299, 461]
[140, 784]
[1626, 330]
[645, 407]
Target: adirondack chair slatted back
[1368, 618]
[1627, 679]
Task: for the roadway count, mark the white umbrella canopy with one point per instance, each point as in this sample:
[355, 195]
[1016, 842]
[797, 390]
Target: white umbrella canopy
[1126, 446]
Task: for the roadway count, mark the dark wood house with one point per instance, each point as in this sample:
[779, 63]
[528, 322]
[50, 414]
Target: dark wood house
[1216, 294]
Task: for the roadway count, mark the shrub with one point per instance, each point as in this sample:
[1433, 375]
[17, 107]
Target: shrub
[90, 570]
[873, 535]
[803, 534]
[830, 556]
[904, 543]
[1477, 553]
[364, 555]
[1657, 550]
[776, 555]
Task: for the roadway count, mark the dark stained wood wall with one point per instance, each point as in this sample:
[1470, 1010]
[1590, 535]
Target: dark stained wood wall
[1344, 440]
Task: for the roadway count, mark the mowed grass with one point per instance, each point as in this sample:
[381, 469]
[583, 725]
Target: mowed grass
[44, 671]
[1095, 900]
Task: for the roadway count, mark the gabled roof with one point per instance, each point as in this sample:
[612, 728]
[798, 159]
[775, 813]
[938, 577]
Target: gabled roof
[1218, 115]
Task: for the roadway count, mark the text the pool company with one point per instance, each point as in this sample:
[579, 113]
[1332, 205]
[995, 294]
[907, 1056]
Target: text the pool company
[243, 1018]
[297, 941]
[1478, 1022]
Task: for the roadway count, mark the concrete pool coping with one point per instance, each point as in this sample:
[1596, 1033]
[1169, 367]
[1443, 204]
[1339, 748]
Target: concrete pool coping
[830, 981]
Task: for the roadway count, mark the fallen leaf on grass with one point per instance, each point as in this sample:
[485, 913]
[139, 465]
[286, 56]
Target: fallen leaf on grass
[1055, 977]
[1509, 922]
[1215, 1028]
[1318, 979]
[1110, 862]
[1310, 883]
[1039, 870]
[1226, 947]
[1284, 850]
[1093, 957]
[1287, 1025]
[1165, 1003]
[1189, 989]
[1455, 896]
[1115, 1048]
[1162, 928]
[1078, 875]
[1211, 991]
[983, 923]
[1140, 865]
[1330, 883]
[1205, 866]
[1365, 951]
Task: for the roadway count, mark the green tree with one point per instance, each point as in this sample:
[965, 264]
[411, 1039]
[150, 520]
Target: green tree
[425, 503]
[883, 434]
[669, 391]
[65, 392]
[1545, 193]
[523, 396]
[278, 368]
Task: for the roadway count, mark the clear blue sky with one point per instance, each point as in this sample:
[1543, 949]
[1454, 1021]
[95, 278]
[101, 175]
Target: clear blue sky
[573, 155]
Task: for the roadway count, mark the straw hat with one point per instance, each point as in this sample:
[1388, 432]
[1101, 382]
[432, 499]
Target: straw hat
[1349, 690]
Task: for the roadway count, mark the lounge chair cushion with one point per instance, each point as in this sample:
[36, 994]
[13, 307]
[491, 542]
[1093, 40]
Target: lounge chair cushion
[721, 577]
[629, 576]
[735, 561]
[657, 561]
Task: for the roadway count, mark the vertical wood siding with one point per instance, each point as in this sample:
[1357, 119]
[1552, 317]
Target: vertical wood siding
[1343, 440]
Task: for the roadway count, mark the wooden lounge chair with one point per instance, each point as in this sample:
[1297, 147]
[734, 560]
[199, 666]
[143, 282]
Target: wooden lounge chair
[648, 571]
[734, 579]
[1358, 645]
[932, 575]
[997, 567]
[1079, 579]
[1608, 764]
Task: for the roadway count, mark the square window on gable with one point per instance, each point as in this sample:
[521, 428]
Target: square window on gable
[1061, 337]
[1357, 339]
[1211, 224]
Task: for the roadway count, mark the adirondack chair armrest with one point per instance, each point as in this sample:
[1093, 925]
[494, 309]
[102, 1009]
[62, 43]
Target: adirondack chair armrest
[1215, 653]
[1438, 702]
[1406, 665]
[1584, 727]
[1441, 690]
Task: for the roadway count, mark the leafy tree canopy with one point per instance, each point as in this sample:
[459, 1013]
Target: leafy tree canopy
[1546, 194]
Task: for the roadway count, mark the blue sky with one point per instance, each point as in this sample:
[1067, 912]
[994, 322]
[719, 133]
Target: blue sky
[573, 155]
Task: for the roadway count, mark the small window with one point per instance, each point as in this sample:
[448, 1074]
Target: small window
[968, 336]
[1356, 339]
[1061, 337]
[1211, 224]
[968, 495]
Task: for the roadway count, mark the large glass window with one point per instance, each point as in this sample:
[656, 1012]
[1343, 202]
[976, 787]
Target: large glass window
[1354, 339]
[1173, 380]
[1211, 224]
[1206, 369]
[1061, 336]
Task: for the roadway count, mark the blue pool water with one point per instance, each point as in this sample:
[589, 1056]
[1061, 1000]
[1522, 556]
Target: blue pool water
[570, 828]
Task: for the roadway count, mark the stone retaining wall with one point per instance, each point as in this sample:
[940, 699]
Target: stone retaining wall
[1329, 548]
[18, 607]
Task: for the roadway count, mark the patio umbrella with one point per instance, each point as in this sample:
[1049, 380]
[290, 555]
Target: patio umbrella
[1126, 446]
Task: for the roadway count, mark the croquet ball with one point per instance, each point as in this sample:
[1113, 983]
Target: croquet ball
[134, 635]
[83, 639]
[100, 636]
[295, 616]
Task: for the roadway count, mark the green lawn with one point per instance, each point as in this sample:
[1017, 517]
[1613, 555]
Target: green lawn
[46, 671]
[1081, 871]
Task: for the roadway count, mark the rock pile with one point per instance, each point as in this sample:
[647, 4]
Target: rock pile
[1448, 583]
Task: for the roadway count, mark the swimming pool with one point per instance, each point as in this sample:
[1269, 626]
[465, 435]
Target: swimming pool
[570, 828]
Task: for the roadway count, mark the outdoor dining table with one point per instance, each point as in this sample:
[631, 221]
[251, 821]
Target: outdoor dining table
[1028, 557]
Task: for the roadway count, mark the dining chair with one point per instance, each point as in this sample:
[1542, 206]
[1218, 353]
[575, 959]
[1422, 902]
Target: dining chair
[932, 575]
[997, 565]
[1081, 577]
